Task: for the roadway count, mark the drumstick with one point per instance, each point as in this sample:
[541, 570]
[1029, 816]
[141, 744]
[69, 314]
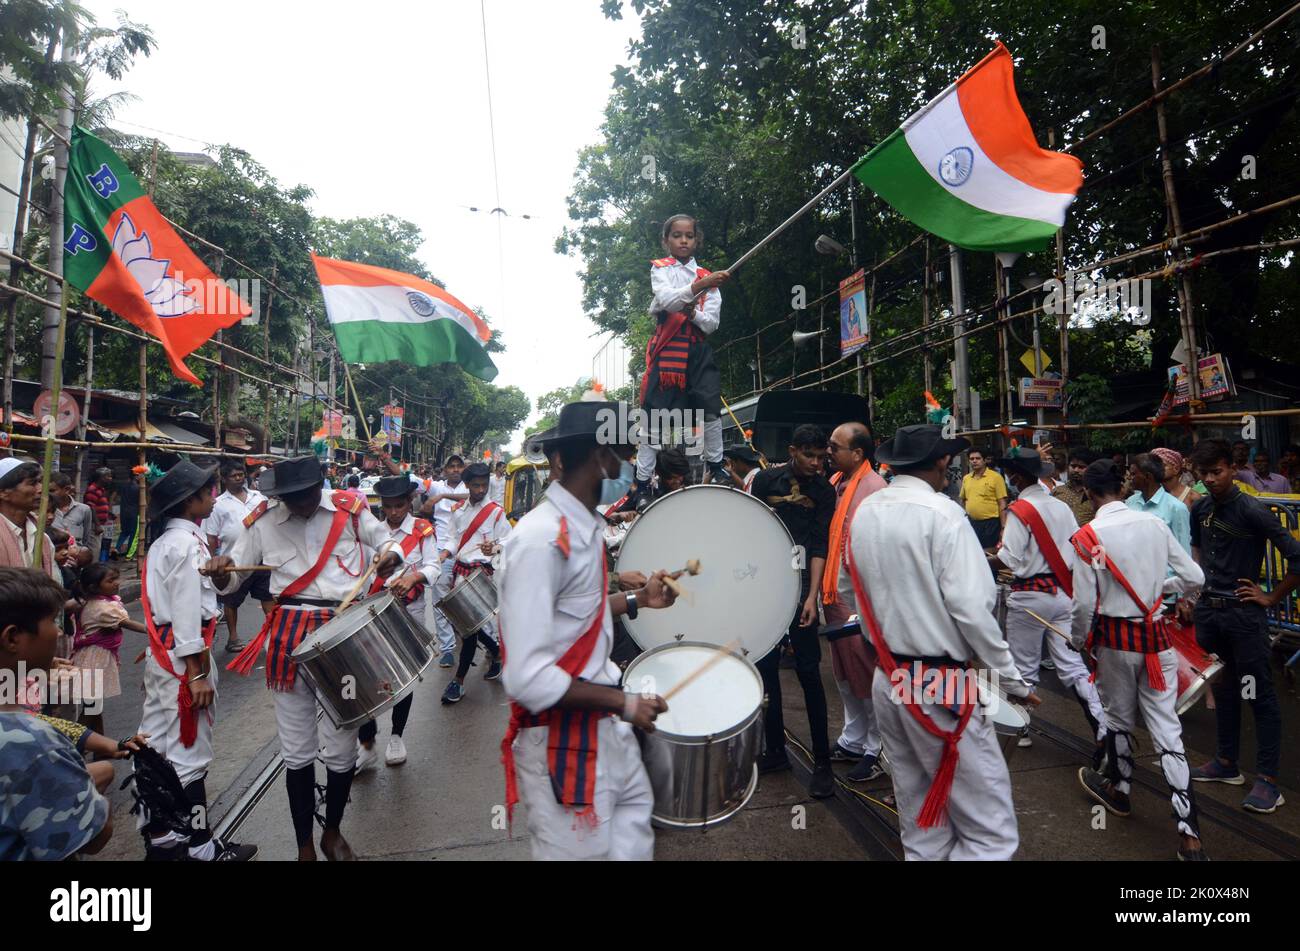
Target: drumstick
[722, 653]
[379, 556]
[692, 568]
[1047, 624]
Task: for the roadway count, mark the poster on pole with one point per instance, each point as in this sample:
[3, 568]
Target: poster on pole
[855, 331]
[1041, 392]
[391, 426]
[1216, 380]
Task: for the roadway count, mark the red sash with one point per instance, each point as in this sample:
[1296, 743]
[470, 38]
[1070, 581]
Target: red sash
[409, 543]
[566, 765]
[475, 525]
[1046, 544]
[189, 716]
[1087, 545]
[934, 810]
[244, 661]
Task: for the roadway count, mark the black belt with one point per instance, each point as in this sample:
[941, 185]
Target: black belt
[1220, 601]
[310, 602]
[945, 661]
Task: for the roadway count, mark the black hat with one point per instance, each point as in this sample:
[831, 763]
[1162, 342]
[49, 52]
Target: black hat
[914, 445]
[612, 423]
[292, 475]
[179, 483]
[743, 453]
[394, 487]
[1027, 461]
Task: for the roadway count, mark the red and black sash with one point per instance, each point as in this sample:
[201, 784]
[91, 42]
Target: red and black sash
[571, 742]
[934, 810]
[161, 640]
[288, 629]
[1149, 635]
[1033, 519]
[669, 348]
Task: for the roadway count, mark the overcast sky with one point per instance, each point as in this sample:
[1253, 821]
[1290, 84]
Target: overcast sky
[383, 108]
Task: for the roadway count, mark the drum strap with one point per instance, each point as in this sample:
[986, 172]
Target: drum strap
[245, 659]
[935, 808]
[1087, 545]
[1033, 519]
[571, 744]
[408, 545]
[188, 715]
[475, 525]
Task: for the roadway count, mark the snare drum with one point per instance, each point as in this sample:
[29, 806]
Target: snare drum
[1196, 668]
[470, 604]
[702, 756]
[1009, 722]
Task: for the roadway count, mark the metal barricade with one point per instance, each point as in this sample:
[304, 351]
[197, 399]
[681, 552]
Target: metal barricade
[1285, 618]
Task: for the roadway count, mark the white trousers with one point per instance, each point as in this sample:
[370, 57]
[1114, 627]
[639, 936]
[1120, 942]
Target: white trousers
[1125, 689]
[981, 821]
[623, 800]
[301, 736]
[1025, 638]
[861, 734]
[161, 719]
[442, 627]
[648, 450]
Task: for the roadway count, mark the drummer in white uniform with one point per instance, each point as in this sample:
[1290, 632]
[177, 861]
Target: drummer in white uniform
[181, 614]
[320, 544]
[557, 631]
[415, 540]
[926, 597]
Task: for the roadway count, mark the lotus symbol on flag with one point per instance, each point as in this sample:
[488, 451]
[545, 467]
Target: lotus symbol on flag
[167, 296]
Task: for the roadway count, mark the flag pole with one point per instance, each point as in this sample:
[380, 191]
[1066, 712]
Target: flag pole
[56, 386]
[812, 203]
[361, 414]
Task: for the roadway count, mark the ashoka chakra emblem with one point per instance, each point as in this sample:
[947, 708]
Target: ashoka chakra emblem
[955, 167]
[422, 304]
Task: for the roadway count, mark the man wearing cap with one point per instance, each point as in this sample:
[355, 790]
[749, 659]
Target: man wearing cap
[415, 540]
[180, 680]
[20, 499]
[320, 543]
[742, 464]
[557, 630]
[1036, 547]
[926, 597]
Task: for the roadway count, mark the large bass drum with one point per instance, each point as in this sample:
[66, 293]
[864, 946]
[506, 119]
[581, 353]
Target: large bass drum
[365, 660]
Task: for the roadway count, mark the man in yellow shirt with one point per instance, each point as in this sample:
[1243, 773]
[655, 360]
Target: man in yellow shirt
[984, 495]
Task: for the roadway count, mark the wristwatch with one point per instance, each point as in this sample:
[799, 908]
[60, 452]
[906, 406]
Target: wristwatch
[631, 605]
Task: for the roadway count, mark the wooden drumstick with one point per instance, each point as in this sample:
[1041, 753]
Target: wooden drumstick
[1047, 624]
[722, 653]
[692, 568]
[374, 564]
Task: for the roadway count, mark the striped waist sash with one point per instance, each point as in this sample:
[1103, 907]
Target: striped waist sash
[1045, 583]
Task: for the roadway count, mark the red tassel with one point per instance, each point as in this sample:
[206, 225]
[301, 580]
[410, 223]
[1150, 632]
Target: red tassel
[934, 811]
[245, 659]
[189, 716]
[673, 381]
[1155, 676]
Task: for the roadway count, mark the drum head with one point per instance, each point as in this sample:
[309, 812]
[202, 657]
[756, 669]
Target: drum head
[748, 585]
[723, 697]
[1007, 717]
[343, 626]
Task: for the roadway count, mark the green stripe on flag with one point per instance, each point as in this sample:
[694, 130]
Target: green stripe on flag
[892, 171]
[418, 344]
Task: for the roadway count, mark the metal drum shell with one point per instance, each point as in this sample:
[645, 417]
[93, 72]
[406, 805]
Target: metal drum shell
[470, 604]
[701, 781]
[379, 645]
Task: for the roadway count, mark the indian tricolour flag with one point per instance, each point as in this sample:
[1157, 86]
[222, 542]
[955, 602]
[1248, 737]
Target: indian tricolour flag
[380, 315]
[968, 168]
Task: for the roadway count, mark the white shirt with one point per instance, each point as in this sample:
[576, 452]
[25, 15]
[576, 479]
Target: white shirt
[749, 479]
[293, 544]
[27, 545]
[671, 286]
[930, 587]
[442, 509]
[1020, 551]
[497, 489]
[1142, 548]
[494, 528]
[227, 519]
[178, 594]
[548, 601]
[423, 557]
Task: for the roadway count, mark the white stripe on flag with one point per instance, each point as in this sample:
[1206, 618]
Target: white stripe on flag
[390, 303]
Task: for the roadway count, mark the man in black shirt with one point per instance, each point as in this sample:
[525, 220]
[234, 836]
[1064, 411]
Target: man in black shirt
[1229, 532]
[805, 502]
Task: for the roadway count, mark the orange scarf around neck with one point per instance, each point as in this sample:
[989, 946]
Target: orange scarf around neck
[835, 547]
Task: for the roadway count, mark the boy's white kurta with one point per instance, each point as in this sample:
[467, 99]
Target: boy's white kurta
[547, 602]
[423, 558]
[181, 597]
[933, 595]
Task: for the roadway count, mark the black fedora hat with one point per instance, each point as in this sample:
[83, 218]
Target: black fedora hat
[914, 445]
[743, 453]
[1027, 461]
[394, 487]
[179, 483]
[610, 423]
[292, 475]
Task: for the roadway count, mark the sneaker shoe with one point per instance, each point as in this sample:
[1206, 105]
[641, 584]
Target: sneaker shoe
[233, 852]
[447, 660]
[823, 780]
[1192, 855]
[1025, 740]
[453, 693]
[1264, 797]
[1116, 803]
[773, 762]
[367, 758]
[841, 754]
[1048, 664]
[494, 668]
[395, 755]
[1215, 772]
[867, 770]
[172, 852]
[642, 495]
